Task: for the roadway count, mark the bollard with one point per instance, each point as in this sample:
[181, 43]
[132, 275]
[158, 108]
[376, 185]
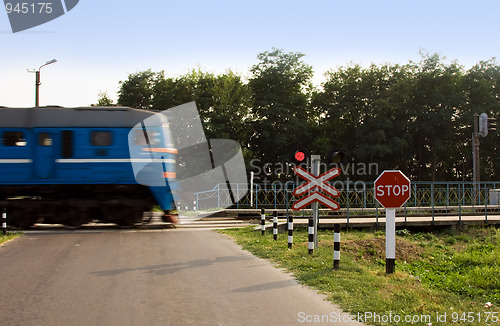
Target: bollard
[4, 221]
[194, 205]
[263, 221]
[290, 231]
[310, 230]
[275, 225]
[336, 247]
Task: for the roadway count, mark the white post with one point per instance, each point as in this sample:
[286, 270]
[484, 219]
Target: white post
[251, 188]
[4, 221]
[390, 240]
[336, 247]
[275, 225]
[315, 162]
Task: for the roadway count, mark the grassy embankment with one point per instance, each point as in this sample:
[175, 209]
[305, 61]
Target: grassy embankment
[451, 272]
[9, 236]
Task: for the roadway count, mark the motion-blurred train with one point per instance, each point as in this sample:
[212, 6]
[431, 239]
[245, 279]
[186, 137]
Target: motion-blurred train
[73, 165]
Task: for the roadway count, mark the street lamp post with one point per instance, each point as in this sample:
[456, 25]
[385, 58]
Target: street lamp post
[37, 81]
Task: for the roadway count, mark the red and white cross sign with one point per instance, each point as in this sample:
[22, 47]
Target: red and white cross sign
[316, 182]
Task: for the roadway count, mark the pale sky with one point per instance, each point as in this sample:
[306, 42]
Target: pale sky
[99, 43]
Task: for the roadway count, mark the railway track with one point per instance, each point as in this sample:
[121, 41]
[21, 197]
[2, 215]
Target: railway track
[156, 224]
[242, 218]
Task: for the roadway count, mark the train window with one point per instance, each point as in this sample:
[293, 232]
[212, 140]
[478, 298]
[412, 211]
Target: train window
[13, 138]
[101, 138]
[153, 137]
[67, 143]
[44, 139]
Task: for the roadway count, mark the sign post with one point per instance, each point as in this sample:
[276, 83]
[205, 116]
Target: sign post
[392, 190]
[315, 162]
[390, 240]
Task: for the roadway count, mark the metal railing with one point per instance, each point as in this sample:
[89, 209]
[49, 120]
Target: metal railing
[355, 196]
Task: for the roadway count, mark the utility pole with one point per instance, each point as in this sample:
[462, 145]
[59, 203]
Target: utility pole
[37, 88]
[482, 126]
[475, 156]
[37, 81]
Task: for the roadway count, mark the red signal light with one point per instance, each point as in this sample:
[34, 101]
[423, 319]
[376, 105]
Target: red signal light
[300, 156]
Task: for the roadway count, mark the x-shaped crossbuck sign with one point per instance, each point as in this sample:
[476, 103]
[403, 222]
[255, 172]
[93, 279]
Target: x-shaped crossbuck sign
[316, 182]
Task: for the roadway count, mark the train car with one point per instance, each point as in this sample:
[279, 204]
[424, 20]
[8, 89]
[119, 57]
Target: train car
[73, 165]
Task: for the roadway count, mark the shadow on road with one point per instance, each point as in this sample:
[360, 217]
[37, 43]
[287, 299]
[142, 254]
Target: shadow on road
[165, 269]
[266, 286]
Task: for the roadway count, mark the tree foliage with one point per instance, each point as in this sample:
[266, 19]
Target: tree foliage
[222, 100]
[281, 84]
[137, 90]
[416, 117]
[104, 99]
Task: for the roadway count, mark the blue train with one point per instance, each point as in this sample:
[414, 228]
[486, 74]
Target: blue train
[73, 165]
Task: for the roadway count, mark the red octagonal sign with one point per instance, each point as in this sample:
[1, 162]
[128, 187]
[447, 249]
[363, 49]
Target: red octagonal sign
[392, 189]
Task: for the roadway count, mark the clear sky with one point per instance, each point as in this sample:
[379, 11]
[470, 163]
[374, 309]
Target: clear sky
[99, 43]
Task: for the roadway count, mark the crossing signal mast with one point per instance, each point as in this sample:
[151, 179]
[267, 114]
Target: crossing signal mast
[315, 179]
[482, 126]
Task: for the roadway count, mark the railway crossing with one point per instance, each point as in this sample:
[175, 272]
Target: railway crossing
[178, 277]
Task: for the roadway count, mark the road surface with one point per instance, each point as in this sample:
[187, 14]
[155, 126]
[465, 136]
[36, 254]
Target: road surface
[147, 277]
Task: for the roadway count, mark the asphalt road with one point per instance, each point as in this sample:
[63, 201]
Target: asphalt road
[169, 277]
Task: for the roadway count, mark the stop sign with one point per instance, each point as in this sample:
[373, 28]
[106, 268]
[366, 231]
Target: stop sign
[392, 189]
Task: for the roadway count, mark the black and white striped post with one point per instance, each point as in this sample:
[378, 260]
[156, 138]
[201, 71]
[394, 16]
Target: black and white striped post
[310, 230]
[336, 247]
[262, 221]
[275, 225]
[290, 231]
[4, 221]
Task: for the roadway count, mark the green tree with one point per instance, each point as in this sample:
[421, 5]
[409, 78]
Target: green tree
[483, 91]
[281, 85]
[137, 90]
[437, 98]
[363, 112]
[416, 117]
[104, 99]
[228, 116]
[170, 92]
[223, 101]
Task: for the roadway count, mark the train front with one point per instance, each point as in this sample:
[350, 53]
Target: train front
[172, 156]
[153, 158]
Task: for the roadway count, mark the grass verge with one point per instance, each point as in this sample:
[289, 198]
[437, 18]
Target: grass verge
[9, 236]
[441, 278]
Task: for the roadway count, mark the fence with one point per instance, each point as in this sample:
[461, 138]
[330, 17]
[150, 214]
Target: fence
[358, 196]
